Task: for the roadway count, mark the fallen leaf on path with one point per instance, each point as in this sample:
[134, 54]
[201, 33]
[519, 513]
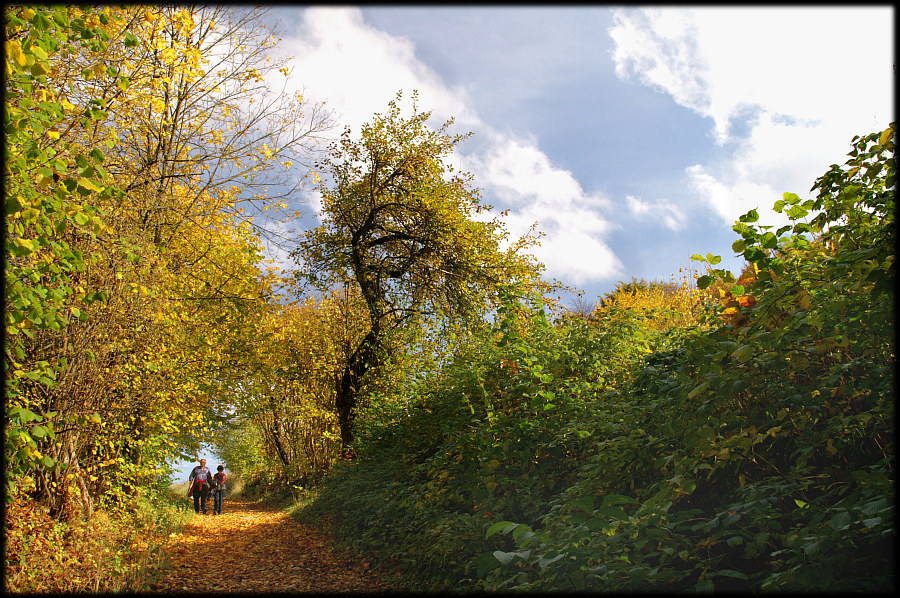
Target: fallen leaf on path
[251, 547]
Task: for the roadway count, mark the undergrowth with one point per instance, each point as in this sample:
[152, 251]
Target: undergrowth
[117, 549]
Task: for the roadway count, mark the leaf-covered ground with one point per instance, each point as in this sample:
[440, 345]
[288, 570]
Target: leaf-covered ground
[252, 547]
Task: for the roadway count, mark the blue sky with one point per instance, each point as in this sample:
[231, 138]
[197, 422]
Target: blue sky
[632, 137]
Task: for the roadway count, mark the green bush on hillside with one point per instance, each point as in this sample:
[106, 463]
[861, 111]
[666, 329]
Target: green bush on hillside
[496, 436]
[769, 438]
[753, 453]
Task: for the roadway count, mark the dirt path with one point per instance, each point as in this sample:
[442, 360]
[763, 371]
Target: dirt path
[251, 547]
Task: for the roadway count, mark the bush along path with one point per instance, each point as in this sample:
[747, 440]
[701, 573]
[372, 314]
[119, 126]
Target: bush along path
[254, 547]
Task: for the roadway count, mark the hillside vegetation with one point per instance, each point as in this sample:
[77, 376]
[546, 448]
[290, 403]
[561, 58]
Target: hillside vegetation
[751, 450]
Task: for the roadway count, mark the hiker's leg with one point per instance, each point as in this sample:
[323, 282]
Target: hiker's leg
[196, 501]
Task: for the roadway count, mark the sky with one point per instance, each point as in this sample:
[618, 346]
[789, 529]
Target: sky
[633, 137]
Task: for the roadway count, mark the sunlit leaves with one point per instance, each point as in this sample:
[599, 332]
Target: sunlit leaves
[44, 220]
[131, 272]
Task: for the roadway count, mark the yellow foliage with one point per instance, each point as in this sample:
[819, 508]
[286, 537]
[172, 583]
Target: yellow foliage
[14, 52]
[675, 304]
[171, 259]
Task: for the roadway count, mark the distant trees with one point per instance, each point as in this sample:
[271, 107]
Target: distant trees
[408, 234]
[284, 426]
[667, 304]
[582, 307]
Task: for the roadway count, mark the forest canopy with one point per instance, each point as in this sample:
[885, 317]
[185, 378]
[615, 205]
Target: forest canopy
[133, 266]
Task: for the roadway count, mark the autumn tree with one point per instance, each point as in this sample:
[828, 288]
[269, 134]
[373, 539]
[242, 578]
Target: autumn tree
[213, 117]
[283, 426]
[132, 263]
[214, 144]
[55, 183]
[666, 304]
[409, 234]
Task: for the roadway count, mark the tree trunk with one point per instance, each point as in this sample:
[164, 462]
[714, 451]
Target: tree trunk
[348, 386]
[276, 440]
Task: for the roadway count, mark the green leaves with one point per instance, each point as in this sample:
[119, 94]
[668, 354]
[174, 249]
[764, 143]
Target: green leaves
[500, 526]
[742, 353]
[23, 415]
[54, 188]
[710, 258]
[797, 212]
[705, 281]
[751, 216]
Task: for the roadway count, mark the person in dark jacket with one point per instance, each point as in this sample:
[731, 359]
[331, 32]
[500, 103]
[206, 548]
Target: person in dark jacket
[219, 489]
[201, 483]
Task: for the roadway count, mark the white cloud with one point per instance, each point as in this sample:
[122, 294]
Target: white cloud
[357, 69]
[535, 191]
[670, 214]
[786, 88]
[659, 48]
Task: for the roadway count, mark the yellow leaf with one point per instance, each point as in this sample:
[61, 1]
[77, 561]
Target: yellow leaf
[14, 51]
[88, 184]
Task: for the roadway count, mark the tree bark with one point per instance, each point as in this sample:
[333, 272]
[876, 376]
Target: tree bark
[363, 358]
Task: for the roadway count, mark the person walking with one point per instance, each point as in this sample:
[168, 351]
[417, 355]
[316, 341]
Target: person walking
[201, 482]
[219, 488]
